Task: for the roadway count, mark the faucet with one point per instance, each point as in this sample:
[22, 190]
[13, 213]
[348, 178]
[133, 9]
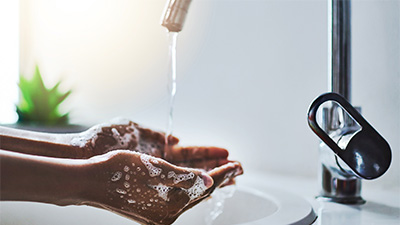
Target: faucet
[351, 149]
[175, 14]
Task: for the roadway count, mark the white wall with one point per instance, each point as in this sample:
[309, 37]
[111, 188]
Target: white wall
[247, 71]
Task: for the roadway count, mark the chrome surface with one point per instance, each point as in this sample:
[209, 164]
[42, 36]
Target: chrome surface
[339, 56]
[352, 151]
[339, 23]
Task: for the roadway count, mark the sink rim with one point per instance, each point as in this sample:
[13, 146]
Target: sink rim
[292, 209]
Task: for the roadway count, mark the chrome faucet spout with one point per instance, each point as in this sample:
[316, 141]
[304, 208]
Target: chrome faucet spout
[175, 14]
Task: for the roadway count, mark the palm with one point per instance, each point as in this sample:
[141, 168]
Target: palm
[148, 189]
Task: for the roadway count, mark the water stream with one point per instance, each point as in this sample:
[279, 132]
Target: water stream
[172, 38]
[216, 203]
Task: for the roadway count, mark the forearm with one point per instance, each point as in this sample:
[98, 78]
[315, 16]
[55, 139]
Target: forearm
[42, 144]
[42, 179]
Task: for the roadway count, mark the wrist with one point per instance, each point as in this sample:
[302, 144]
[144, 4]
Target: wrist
[42, 179]
[92, 186]
[77, 184]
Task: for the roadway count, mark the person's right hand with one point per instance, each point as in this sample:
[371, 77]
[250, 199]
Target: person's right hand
[148, 189]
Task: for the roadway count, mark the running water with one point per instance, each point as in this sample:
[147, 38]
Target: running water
[217, 202]
[172, 37]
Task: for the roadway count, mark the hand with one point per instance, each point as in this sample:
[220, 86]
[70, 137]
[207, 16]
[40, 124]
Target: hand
[103, 138]
[128, 135]
[122, 134]
[149, 189]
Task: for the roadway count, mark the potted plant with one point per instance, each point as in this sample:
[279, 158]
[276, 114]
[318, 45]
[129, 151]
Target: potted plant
[38, 108]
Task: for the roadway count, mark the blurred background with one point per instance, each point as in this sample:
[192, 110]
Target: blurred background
[247, 71]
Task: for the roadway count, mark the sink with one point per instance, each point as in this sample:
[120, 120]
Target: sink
[255, 205]
[252, 203]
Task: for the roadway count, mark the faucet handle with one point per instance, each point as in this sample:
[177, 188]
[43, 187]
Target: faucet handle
[367, 153]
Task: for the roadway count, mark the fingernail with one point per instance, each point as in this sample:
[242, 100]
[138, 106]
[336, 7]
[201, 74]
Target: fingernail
[207, 179]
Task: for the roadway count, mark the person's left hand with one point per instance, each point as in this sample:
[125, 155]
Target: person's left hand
[127, 135]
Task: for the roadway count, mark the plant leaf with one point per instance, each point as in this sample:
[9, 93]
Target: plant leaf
[39, 104]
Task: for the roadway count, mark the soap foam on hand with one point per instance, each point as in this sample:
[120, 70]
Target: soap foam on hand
[155, 197]
[120, 134]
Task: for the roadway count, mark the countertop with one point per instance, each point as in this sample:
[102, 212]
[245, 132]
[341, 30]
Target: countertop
[382, 206]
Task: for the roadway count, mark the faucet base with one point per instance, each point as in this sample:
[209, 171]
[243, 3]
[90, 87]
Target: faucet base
[340, 190]
[346, 200]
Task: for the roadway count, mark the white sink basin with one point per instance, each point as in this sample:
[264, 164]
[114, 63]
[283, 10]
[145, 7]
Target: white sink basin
[261, 205]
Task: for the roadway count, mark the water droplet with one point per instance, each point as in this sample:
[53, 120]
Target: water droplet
[121, 191]
[117, 175]
[131, 201]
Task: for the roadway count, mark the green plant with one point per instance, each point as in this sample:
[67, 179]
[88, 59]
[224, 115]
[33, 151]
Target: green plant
[38, 104]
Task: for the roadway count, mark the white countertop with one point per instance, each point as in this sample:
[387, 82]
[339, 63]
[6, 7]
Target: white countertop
[382, 206]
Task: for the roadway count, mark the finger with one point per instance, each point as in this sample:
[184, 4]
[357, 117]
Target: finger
[183, 154]
[172, 140]
[205, 164]
[223, 174]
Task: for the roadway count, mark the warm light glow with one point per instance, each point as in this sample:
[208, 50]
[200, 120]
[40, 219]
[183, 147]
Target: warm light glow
[113, 54]
[9, 61]
[73, 5]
